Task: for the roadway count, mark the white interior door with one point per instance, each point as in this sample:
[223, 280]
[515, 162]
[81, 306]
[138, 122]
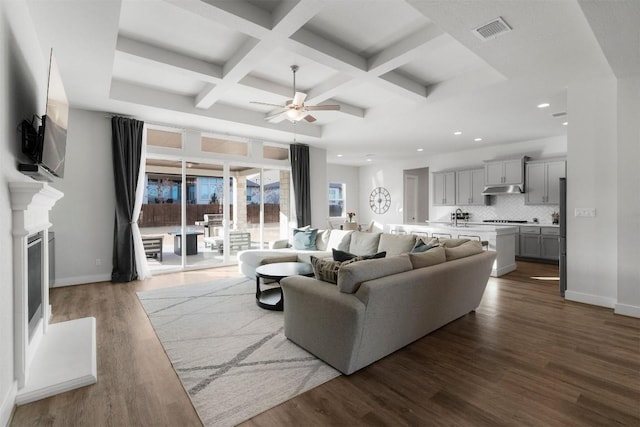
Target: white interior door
[410, 199]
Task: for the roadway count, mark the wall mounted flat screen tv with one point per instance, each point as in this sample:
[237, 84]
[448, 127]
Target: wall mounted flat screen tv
[47, 146]
[53, 132]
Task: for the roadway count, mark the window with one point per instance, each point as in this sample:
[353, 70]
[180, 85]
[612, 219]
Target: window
[336, 199]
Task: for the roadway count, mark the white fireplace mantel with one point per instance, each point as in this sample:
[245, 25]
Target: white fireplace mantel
[57, 357]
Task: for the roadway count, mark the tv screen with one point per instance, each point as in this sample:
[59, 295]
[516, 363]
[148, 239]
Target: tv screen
[53, 132]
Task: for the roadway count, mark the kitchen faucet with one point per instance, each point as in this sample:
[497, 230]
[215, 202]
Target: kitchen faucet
[456, 216]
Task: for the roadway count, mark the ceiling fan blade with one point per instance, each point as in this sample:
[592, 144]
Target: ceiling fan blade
[265, 103]
[322, 107]
[309, 118]
[299, 98]
[280, 114]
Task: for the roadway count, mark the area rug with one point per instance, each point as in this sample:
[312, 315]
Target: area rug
[231, 356]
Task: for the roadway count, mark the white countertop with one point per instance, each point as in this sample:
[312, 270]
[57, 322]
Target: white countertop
[461, 228]
[494, 224]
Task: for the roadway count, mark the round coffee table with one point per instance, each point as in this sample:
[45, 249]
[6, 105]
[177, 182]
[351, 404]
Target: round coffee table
[272, 299]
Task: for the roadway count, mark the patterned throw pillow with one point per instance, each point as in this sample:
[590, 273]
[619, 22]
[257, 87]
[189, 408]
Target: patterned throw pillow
[421, 246]
[327, 270]
[305, 239]
[342, 256]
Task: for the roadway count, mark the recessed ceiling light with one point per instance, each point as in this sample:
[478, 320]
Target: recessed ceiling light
[457, 132]
[339, 155]
[478, 139]
[565, 123]
[368, 160]
[420, 149]
[544, 105]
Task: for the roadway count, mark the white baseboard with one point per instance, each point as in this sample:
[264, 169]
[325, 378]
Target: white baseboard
[80, 280]
[627, 310]
[590, 299]
[8, 404]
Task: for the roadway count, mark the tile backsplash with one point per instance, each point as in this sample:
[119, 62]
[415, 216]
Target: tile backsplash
[507, 206]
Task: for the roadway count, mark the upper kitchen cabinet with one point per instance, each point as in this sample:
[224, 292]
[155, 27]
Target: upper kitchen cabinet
[543, 182]
[469, 187]
[444, 188]
[503, 172]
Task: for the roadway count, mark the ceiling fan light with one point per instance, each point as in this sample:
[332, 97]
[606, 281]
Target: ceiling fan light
[295, 115]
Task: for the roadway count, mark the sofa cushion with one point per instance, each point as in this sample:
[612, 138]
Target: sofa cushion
[305, 239]
[396, 244]
[342, 256]
[452, 243]
[279, 244]
[322, 239]
[433, 256]
[327, 270]
[339, 239]
[469, 248]
[364, 243]
[352, 275]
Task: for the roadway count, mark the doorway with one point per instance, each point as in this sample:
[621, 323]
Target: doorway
[416, 195]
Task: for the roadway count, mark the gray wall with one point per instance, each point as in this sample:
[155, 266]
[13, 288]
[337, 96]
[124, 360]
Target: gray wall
[84, 244]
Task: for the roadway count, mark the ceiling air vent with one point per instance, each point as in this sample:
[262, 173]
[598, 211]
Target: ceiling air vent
[563, 113]
[492, 29]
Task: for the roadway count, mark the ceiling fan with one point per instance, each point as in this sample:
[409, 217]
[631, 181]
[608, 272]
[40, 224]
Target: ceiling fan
[295, 110]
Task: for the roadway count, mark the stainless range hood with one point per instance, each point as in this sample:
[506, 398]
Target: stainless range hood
[503, 189]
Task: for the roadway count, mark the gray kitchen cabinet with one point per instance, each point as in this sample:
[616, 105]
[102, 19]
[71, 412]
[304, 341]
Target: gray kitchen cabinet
[550, 243]
[444, 188]
[540, 242]
[469, 187]
[543, 182]
[530, 242]
[504, 172]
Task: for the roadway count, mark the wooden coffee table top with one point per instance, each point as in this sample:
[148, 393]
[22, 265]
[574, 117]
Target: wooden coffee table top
[280, 270]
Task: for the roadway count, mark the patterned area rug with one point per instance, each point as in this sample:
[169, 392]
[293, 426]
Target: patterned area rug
[231, 356]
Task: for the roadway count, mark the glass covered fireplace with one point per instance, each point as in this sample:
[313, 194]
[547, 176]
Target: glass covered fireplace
[34, 281]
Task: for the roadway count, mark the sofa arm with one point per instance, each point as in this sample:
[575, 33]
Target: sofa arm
[323, 321]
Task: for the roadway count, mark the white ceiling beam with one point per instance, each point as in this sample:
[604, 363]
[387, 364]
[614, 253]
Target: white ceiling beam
[291, 16]
[405, 50]
[396, 80]
[266, 86]
[142, 95]
[184, 64]
[330, 88]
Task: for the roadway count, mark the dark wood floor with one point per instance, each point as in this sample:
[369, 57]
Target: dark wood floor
[525, 357]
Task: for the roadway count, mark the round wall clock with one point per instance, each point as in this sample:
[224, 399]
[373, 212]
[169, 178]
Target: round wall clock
[380, 200]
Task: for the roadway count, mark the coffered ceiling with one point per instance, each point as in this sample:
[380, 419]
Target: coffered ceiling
[406, 74]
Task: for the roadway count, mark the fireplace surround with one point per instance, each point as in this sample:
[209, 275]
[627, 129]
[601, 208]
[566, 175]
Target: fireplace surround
[48, 358]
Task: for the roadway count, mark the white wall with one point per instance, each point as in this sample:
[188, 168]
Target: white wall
[83, 218]
[628, 197]
[592, 179]
[390, 176]
[23, 80]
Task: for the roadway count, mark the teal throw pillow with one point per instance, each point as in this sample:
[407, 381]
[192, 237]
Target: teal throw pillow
[305, 239]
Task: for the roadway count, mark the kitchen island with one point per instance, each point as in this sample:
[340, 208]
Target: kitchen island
[501, 238]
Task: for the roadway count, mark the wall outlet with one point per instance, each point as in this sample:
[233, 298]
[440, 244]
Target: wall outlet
[585, 212]
[98, 261]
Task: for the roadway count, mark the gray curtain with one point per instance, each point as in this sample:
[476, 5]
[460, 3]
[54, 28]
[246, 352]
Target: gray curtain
[127, 147]
[301, 183]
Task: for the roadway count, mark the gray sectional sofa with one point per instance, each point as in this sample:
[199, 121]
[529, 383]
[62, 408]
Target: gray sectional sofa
[375, 306]
[379, 306]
